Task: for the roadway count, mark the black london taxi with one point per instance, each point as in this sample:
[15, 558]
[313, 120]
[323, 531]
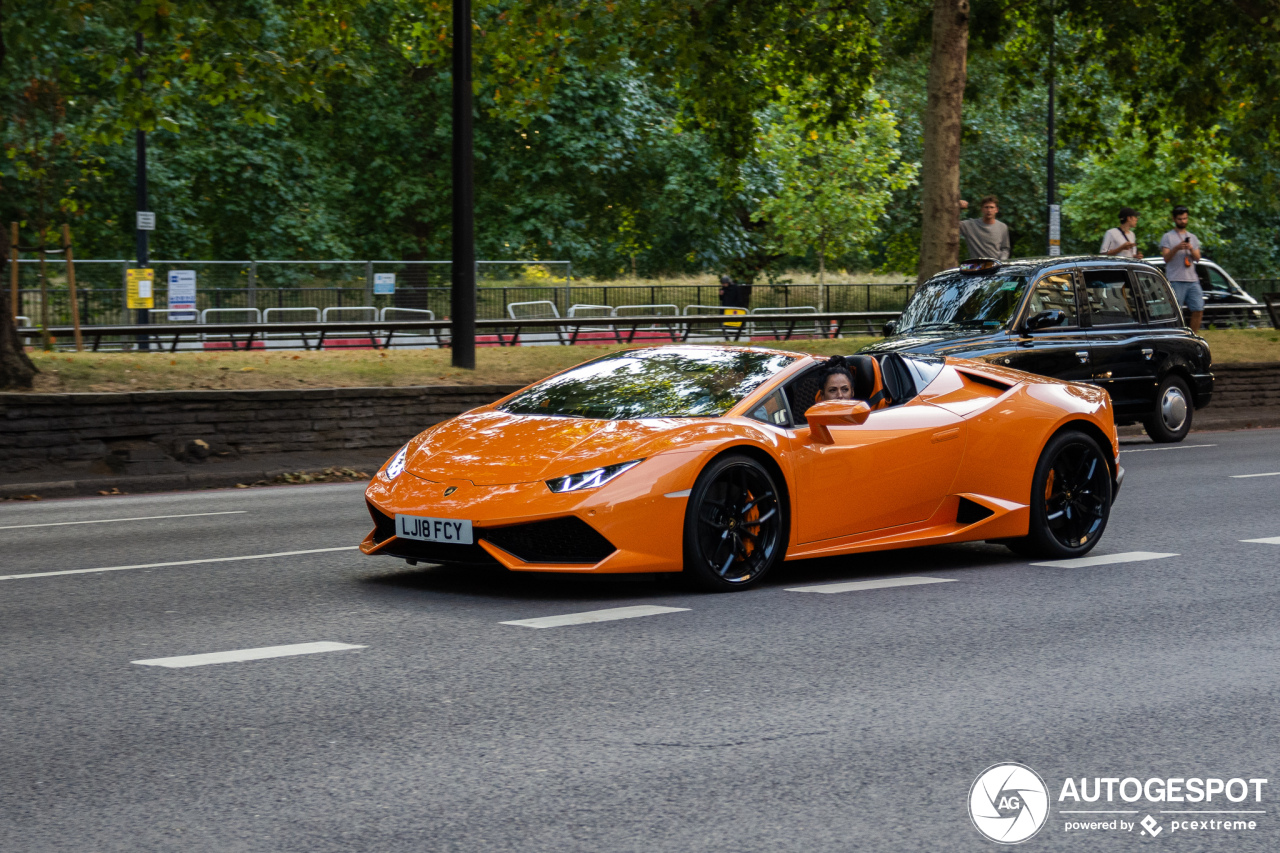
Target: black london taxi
[1112, 322]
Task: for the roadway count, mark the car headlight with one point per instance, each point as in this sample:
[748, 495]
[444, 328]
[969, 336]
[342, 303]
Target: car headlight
[396, 466]
[590, 479]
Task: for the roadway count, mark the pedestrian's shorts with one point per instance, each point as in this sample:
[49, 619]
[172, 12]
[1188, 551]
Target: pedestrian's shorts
[1189, 294]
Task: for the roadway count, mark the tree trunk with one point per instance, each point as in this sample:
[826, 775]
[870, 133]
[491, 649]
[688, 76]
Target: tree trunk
[822, 274]
[940, 173]
[16, 370]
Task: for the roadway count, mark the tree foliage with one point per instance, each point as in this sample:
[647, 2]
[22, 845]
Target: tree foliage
[830, 185]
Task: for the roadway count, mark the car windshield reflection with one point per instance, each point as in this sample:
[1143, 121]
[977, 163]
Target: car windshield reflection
[666, 382]
[961, 301]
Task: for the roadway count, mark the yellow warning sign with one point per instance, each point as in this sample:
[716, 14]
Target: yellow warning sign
[733, 312]
[139, 288]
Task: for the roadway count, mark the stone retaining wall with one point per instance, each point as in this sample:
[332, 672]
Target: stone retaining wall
[1244, 395]
[150, 432]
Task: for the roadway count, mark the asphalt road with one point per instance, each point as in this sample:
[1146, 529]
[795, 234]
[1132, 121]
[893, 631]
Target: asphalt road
[769, 720]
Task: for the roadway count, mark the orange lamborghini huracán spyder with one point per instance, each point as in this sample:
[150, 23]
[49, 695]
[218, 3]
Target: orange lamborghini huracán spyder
[722, 462]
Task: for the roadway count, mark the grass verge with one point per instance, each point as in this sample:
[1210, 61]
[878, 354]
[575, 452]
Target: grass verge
[97, 372]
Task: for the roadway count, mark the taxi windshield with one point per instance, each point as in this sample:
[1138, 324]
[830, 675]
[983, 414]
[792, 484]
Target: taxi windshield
[957, 301]
[662, 382]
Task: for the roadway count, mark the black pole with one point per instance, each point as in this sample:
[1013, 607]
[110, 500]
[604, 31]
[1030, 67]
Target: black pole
[1052, 179]
[463, 301]
[144, 316]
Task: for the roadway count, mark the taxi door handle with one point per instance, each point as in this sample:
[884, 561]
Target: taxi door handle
[1083, 355]
[1147, 352]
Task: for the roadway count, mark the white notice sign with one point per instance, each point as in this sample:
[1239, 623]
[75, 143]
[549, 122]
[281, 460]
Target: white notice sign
[1055, 229]
[384, 283]
[182, 296]
[146, 220]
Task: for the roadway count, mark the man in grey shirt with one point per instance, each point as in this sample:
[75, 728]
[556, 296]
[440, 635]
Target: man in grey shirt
[986, 237]
[1181, 250]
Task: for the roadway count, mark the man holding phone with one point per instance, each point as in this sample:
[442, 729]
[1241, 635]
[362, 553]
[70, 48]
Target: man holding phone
[1181, 250]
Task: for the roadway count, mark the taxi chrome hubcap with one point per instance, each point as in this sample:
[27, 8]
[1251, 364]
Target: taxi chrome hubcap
[739, 524]
[1075, 495]
[1173, 408]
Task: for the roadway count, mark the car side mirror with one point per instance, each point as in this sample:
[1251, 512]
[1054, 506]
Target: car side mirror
[1045, 320]
[831, 413]
[890, 328]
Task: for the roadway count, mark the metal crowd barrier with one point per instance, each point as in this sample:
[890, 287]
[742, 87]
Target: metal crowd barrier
[379, 334]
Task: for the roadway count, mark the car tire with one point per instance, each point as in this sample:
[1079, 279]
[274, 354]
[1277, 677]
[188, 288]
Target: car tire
[1070, 499]
[735, 525]
[1171, 420]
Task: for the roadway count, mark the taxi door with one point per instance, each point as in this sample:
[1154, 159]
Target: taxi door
[893, 469]
[1059, 351]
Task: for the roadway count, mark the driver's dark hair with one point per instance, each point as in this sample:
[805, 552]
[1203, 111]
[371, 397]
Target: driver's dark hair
[1179, 210]
[835, 366]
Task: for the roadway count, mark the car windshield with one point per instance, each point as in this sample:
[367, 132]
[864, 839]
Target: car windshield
[666, 382]
[965, 301]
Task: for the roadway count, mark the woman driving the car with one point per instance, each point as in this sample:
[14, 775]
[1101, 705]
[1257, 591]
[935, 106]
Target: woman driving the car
[837, 381]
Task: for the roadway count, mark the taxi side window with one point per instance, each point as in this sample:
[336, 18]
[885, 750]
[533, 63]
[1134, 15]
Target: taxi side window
[1111, 297]
[772, 410]
[1156, 297]
[1055, 293]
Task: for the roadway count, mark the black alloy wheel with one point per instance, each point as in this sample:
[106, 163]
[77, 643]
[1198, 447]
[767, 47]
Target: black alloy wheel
[735, 526]
[1070, 499]
[1171, 420]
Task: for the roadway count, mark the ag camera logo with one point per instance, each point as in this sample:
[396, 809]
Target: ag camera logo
[1008, 803]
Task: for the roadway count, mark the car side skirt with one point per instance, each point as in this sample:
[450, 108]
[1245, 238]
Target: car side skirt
[1007, 520]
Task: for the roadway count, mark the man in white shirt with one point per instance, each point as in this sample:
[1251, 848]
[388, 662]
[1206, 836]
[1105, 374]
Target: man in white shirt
[1181, 250]
[1122, 242]
[986, 237]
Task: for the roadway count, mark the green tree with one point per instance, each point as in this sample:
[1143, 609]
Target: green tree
[1151, 173]
[831, 184]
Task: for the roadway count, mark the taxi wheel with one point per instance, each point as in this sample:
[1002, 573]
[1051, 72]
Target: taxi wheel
[1171, 420]
[735, 526]
[1070, 499]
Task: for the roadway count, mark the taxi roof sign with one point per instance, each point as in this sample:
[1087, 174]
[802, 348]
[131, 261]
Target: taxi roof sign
[979, 265]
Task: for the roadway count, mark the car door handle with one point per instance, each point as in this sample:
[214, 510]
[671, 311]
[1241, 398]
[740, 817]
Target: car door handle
[946, 435]
[1083, 355]
[1147, 352]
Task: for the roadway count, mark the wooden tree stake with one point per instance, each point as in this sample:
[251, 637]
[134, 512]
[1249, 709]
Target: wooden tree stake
[71, 284]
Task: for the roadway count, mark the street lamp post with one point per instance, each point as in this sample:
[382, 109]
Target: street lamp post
[1055, 211]
[144, 251]
[463, 296]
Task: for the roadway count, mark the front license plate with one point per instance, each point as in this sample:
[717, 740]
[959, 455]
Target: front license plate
[449, 530]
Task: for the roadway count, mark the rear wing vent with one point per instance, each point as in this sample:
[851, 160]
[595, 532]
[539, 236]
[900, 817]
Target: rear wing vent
[980, 379]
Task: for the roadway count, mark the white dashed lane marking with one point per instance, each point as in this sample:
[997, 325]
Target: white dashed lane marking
[595, 616]
[1270, 540]
[247, 654]
[110, 520]
[176, 563]
[855, 586]
[1179, 447]
[1106, 559]
[1247, 476]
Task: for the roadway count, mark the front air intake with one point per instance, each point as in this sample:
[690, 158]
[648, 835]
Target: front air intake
[557, 540]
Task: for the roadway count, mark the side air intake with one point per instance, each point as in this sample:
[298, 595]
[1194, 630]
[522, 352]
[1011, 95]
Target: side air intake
[971, 513]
